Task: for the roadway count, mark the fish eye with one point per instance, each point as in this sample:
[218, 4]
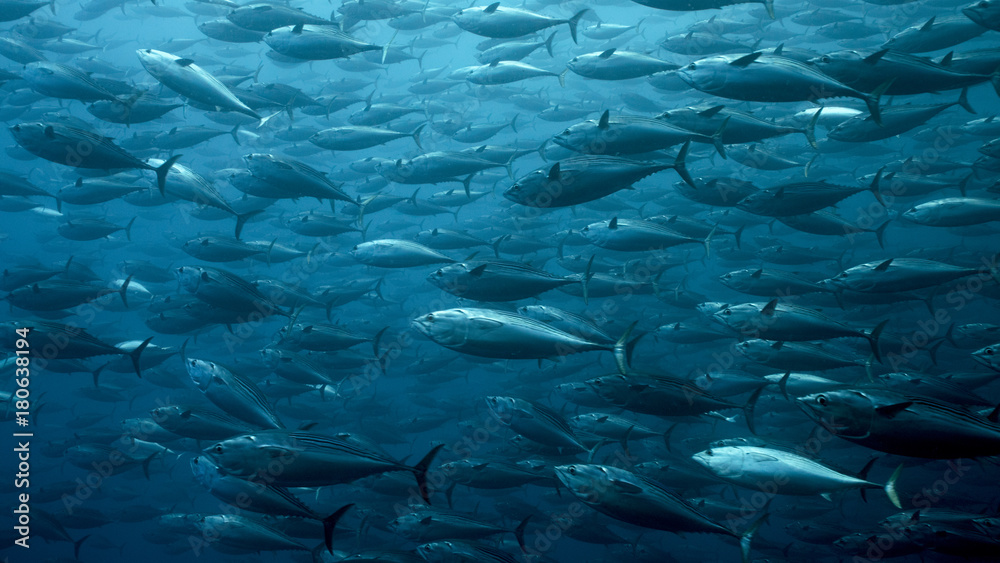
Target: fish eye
[825, 59]
[430, 318]
[691, 66]
[572, 470]
[989, 351]
[821, 400]
[193, 363]
[727, 312]
[217, 449]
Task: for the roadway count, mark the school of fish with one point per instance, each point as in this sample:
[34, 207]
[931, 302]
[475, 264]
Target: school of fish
[402, 281]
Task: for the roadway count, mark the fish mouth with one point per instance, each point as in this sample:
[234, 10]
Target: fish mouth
[819, 417]
[421, 325]
[982, 360]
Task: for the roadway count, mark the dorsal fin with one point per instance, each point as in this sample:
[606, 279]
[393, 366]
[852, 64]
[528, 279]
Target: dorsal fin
[607, 53]
[994, 416]
[883, 266]
[890, 411]
[770, 307]
[745, 60]
[184, 62]
[876, 56]
[478, 270]
[756, 275]
[930, 23]
[946, 60]
[613, 224]
[554, 172]
[603, 123]
[777, 50]
[491, 8]
[710, 111]
[297, 29]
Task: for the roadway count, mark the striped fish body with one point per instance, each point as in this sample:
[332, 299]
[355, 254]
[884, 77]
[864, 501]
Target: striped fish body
[304, 459]
[232, 393]
[899, 424]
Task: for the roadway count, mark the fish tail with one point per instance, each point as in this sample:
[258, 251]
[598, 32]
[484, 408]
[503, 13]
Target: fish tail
[717, 138]
[963, 100]
[872, 100]
[810, 129]
[890, 487]
[876, 187]
[128, 235]
[79, 542]
[416, 135]
[385, 48]
[420, 472]
[880, 234]
[666, 437]
[769, 6]
[873, 339]
[235, 133]
[123, 292]
[932, 350]
[548, 44]
[146, 462]
[747, 536]
[330, 522]
[783, 384]
[466, 184]
[134, 355]
[738, 235]
[573, 21]
[263, 120]
[624, 347]
[162, 170]
[241, 221]
[748, 409]
[377, 340]
[97, 374]
[449, 491]
[625, 437]
[519, 533]
[681, 168]
[950, 335]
